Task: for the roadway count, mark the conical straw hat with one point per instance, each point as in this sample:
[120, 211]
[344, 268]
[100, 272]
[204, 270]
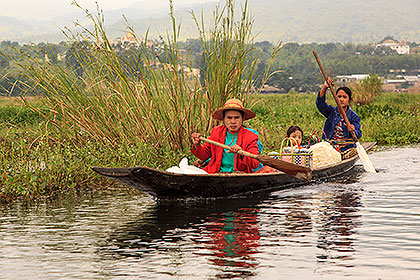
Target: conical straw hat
[233, 104]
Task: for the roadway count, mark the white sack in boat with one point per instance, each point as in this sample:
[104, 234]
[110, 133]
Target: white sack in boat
[184, 168]
[324, 154]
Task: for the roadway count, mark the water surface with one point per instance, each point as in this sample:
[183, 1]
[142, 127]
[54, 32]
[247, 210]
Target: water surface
[360, 226]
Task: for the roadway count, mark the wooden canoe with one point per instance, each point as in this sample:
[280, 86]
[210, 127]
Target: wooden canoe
[166, 185]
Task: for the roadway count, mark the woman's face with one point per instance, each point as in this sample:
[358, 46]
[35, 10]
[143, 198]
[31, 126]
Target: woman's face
[343, 98]
[297, 135]
[233, 120]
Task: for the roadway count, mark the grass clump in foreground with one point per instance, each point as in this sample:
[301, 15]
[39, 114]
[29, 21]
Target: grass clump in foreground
[35, 161]
[113, 108]
[32, 167]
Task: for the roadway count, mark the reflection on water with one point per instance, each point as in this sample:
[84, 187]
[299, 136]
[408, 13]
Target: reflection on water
[224, 232]
[233, 239]
[231, 235]
[359, 226]
[337, 222]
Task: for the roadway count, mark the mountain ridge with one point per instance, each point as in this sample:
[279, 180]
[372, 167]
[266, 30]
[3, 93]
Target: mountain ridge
[303, 21]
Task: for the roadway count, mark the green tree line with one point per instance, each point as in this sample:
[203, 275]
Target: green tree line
[294, 67]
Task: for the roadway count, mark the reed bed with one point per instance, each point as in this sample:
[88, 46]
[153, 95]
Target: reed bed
[111, 108]
[149, 96]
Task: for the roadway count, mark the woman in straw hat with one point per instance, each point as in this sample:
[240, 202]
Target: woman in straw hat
[232, 134]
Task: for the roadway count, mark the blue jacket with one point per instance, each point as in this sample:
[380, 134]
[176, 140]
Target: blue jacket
[333, 117]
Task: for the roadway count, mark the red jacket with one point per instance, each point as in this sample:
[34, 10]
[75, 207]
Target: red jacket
[247, 140]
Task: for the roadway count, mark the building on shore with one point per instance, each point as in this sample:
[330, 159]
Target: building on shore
[267, 89]
[130, 41]
[402, 84]
[348, 79]
[415, 50]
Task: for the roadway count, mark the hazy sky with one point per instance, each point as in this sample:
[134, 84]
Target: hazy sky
[45, 9]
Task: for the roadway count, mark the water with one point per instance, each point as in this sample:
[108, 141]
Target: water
[361, 226]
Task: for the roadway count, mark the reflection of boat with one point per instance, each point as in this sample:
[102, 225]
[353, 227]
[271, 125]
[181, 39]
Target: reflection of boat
[224, 232]
[166, 185]
[159, 219]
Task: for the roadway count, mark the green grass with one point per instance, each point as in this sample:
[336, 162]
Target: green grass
[31, 167]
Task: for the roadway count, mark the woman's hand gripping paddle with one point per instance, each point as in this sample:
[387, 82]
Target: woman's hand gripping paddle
[367, 164]
[300, 172]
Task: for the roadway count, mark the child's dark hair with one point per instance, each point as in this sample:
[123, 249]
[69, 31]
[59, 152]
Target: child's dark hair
[292, 129]
[346, 90]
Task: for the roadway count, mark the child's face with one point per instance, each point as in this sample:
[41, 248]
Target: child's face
[297, 135]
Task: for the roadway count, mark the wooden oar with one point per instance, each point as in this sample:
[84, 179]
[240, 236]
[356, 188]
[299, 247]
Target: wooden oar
[300, 172]
[367, 164]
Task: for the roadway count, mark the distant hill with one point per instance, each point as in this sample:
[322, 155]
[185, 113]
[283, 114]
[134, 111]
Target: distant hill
[306, 21]
[11, 28]
[356, 21]
[38, 31]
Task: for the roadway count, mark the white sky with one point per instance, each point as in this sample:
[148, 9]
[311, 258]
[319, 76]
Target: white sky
[46, 9]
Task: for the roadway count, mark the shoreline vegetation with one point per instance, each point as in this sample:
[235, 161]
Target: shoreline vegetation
[139, 110]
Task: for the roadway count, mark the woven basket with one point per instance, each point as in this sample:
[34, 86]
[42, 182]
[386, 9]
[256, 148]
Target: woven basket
[302, 159]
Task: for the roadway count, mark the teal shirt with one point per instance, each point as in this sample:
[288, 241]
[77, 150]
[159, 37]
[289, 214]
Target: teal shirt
[260, 148]
[228, 159]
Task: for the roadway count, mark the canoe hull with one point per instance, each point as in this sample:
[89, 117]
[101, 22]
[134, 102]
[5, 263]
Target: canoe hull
[165, 185]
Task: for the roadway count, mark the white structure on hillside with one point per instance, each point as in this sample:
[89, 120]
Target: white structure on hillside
[350, 78]
[400, 48]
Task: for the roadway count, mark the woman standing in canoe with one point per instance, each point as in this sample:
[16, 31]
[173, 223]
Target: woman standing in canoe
[335, 128]
[232, 134]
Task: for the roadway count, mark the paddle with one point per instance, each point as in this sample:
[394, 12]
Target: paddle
[367, 164]
[300, 172]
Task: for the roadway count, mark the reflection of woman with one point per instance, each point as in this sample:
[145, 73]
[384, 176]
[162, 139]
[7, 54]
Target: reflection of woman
[235, 236]
[338, 223]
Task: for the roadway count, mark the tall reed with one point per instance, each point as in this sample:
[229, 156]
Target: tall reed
[147, 95]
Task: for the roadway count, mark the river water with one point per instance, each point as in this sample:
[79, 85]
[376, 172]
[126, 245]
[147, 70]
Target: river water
[360, 226]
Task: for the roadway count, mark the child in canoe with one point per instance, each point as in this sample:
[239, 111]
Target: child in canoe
[296, 133]
[335, 127]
